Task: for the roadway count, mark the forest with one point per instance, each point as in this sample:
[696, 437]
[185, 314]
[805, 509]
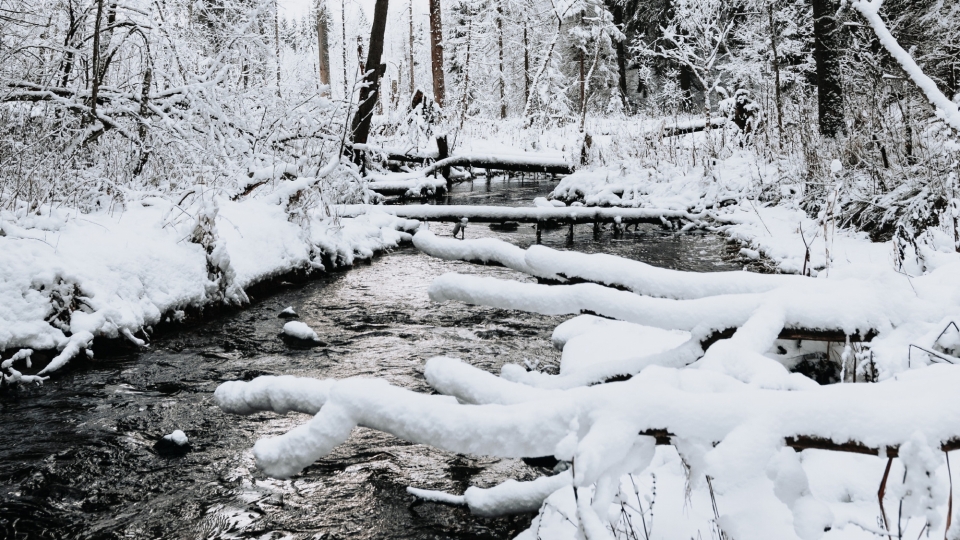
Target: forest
[612, 256]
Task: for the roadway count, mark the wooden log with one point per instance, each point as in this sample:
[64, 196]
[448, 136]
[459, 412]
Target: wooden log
[812, 442]
[508, 164]
[547, 217]
[531, 163]
[443, 152]
[804, 334]
[798, 443]
[686, 128]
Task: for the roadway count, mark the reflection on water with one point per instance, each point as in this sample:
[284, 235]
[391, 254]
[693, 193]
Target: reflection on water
[76, 457]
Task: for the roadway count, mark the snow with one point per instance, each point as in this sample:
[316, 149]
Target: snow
[485, 250]
[178, 437]
[749, 424]
[588, 340]
[299, 330]
[133, 268]
[411, 187]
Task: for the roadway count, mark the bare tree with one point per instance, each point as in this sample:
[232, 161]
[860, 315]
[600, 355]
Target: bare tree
[370, 90]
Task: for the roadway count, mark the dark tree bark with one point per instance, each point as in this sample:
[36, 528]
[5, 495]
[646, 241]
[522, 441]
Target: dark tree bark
[617, 11]
[370, 91]
[323, 46]
[436, 51]
[96, 61]
[526, 62]
[827, 56]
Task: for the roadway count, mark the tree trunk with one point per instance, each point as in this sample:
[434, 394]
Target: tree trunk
[436, 51]
[582, 53]
[370, 90]
[96, 62]
[827, 56]
[323, 46]
[526, 62]
[343, 48]
[617, 11]
[776, 74]
[276, 39]
[503, 82]
[413, 78]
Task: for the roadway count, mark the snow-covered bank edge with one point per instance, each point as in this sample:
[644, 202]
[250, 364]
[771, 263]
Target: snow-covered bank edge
[67, 278]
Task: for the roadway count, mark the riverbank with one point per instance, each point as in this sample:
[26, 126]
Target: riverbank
[66, 278]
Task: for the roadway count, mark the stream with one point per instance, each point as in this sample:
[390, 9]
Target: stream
[77, 457]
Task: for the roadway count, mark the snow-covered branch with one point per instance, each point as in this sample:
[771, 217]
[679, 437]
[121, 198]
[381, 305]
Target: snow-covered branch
[871, 11]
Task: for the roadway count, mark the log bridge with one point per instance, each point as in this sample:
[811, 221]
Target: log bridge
[543, 217]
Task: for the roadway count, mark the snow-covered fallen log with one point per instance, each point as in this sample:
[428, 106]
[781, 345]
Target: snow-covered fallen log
[410, 187]
[610, 270]
[726, 430]
[531, 163]
[482, 250]
[526, 162]
[687, 127]
[850, 306]
[536, 214]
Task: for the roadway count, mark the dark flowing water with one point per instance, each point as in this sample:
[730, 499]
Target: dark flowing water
[77, 457]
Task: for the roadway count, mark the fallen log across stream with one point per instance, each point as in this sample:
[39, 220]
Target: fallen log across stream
[529, 163]
[542, 215]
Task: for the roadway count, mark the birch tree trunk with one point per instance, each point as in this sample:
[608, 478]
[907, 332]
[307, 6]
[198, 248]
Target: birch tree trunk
[503, 82]
[276, 39]
[343, 48]
[413, 78]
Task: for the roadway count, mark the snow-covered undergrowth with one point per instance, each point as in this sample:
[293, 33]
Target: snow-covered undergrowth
[66, 277]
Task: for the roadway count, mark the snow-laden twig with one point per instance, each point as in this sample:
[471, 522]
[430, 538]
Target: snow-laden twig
[510, 497]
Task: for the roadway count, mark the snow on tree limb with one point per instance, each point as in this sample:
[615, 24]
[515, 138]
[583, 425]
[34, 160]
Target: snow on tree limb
[871, 11]
[604, 269]
[608, 419]
[482, 250]
[849, 306]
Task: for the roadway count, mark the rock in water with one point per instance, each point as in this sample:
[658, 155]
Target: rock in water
[174, 444]
[288, 313]
[298, 334]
